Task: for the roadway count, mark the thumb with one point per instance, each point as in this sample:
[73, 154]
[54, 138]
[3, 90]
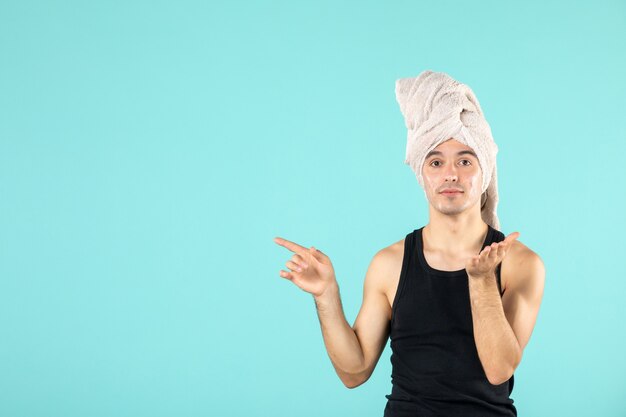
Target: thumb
[317, 254]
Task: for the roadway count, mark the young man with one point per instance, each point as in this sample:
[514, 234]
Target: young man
[457, 298]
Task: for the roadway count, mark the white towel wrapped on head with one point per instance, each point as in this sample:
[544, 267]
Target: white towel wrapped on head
[436, 108]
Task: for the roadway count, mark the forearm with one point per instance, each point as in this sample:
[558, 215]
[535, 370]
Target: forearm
[340, 339]
[496, 343]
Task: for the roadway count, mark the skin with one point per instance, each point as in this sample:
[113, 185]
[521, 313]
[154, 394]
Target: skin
[452, 241]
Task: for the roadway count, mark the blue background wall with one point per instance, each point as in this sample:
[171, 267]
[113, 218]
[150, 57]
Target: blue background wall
[151, 151]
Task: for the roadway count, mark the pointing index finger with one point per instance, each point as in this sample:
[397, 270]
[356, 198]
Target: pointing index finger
[292, 246]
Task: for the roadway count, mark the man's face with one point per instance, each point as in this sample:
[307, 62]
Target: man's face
[449, 167]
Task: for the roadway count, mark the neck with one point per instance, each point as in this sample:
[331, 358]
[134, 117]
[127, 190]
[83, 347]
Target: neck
[455, 234]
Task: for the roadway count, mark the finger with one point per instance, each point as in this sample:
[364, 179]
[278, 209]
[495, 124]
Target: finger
[317, 254]
[493, 253]
[501, 250]
[505, 246]
[317, 250]
[511, 237]
[292, 246]
[294, 266]
[286, 275]
[299, 260]
[481, 255]
[496, 251]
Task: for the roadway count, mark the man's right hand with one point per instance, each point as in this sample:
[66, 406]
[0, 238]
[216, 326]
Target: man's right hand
[311, 270]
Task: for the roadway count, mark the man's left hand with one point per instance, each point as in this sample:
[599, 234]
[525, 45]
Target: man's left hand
[484, 264]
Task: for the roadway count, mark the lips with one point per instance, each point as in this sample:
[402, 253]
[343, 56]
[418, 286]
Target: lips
[451, 191]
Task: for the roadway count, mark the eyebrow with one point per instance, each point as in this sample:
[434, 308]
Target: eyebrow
[466, 152]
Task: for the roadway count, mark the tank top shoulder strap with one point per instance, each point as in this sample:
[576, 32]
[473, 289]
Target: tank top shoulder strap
[409, 250]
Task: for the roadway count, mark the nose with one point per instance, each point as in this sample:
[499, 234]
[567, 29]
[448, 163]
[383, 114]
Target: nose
[450, 173]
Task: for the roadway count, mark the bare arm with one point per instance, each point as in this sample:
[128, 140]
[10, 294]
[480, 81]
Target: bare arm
[342, 344]
[502, 326]
[498, 349]
[353, 351]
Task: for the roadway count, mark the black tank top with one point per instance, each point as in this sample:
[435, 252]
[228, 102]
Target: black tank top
[435, 366]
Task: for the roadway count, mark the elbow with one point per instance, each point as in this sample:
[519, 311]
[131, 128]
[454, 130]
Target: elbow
[504, 373]
[500, 377]
[498, 380]
[352, 383]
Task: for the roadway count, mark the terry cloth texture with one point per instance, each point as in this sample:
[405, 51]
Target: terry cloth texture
[436, 108]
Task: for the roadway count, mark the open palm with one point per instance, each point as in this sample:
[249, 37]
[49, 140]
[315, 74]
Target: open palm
[484, 264]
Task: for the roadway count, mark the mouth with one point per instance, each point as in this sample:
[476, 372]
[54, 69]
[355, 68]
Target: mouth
[451, 192]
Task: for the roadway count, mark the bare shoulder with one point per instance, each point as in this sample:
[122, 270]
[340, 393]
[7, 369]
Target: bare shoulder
[520, 262]
[388, 263]
[520, 253]
[393, 251]
[389, 256]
